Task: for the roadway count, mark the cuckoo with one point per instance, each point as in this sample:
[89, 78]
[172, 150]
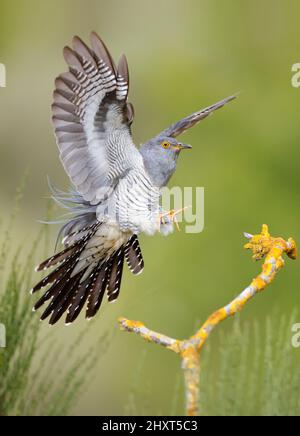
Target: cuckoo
[115, 194]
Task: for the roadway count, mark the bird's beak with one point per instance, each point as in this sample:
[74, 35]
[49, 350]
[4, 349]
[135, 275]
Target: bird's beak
[185, 146]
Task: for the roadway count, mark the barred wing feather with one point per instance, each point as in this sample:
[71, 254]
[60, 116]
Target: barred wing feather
[92, 119]
[186, 123]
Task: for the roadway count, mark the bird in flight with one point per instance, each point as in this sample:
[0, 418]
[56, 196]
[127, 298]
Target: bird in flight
[116, 186]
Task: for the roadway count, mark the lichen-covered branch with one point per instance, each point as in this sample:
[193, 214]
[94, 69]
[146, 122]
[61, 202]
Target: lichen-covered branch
[262, 245]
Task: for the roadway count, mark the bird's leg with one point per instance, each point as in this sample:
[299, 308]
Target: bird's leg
[171, 215]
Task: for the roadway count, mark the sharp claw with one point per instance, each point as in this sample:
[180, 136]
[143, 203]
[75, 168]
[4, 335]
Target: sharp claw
[176, 224]
[171, 214]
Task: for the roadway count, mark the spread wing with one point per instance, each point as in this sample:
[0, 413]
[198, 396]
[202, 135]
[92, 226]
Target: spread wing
[92, 119]
[181, 126]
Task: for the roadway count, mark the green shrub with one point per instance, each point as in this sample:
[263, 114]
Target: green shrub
[255, 371]
[34, 378]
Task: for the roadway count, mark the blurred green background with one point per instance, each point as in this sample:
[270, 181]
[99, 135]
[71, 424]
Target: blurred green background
[183, 55]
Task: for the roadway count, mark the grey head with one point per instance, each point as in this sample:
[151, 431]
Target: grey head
[160, 154]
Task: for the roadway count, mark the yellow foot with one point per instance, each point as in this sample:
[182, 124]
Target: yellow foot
[171, 214]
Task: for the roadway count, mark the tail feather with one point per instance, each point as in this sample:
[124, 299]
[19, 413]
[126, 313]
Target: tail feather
[133, 255]
[67, 263]
[114, 284]
[63, 305]
[57, 258]
[51, 292]
[97, 291]
[79, 299]
[73, 236]
[61, 301]
[79, 239]
[58, 297]
[59, 273]
[70, 289]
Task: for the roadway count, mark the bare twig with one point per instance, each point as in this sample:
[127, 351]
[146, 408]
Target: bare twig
[262, 246]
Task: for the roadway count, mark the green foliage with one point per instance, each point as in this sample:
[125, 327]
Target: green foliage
[37, 376]
[253, 372]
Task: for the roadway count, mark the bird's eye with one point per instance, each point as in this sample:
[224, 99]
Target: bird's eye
[165, 144]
